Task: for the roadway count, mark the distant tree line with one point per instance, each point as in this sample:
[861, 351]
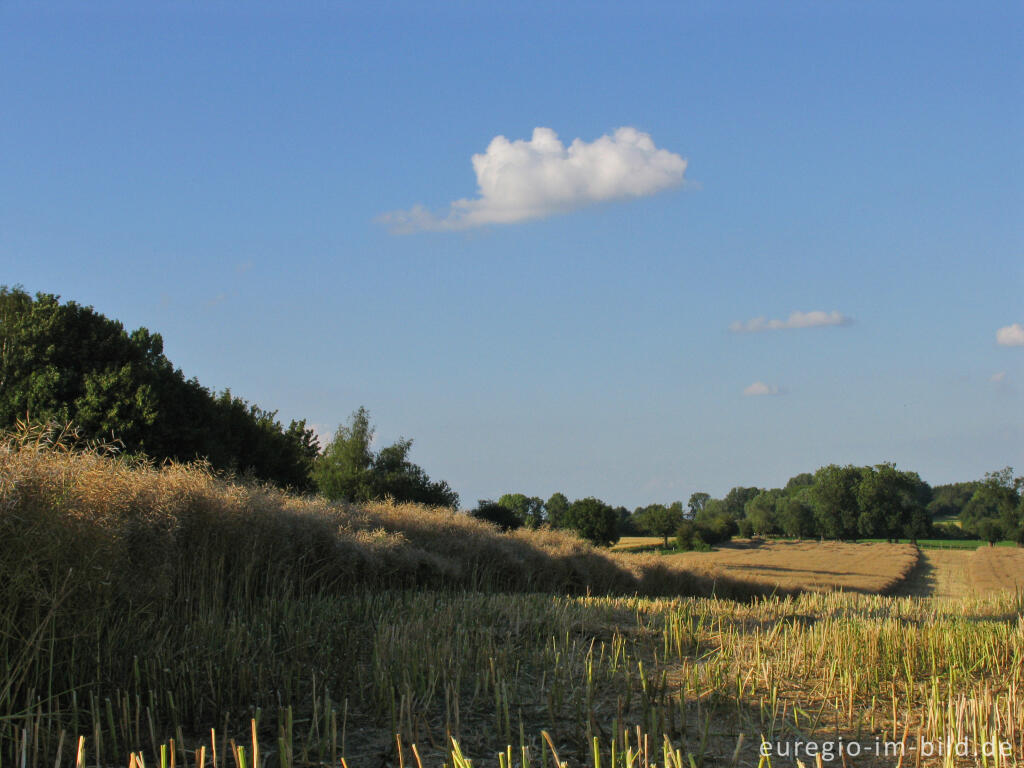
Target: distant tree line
[67, 363]
[835, 502]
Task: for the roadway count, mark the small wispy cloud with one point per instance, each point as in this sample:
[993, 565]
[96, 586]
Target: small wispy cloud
[1010, 336]
[220, 298]
[759, 388]
[522, 180]
[998, 378]
[797, 319]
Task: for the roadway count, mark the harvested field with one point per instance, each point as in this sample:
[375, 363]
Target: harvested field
[939, 573]
[991, 569]
[869, 568]
[627, 543]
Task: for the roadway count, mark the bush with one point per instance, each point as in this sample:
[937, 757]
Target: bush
[694, 537]
[952, 532]
[717, 529]
[594, 521]
[496, 513]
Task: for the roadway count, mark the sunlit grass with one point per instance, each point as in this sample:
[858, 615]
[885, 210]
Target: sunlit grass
[165, 616]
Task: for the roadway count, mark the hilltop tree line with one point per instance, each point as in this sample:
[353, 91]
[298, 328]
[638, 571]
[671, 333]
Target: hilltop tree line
[67, 363]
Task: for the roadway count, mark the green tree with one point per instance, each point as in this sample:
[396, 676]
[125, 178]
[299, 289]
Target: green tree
[528, 509]
[697, 502]
[735, 500]
[996, 499]
[835, 501]
[556, 510]
[660, 520]
[344, 471]
[796, 514]
[593, 520]
[989, 529]
[349, 470]
[760, 511]
[949, 500]
[496, 513]
[798, 482]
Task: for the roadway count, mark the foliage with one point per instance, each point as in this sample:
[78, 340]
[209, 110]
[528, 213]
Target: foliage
[735, 500]
[697, 502]
[556, 510]
[689, 539]
[761, 512]
[349, 470]
[835, 501]
[892, 503]
[996, 504]
[528, 510]
[796, 514]
[659, 520]
[949, 500]
[594, 521]
[69, 364]
[496, 513]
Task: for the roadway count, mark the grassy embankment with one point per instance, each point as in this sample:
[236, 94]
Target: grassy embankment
[143, 605]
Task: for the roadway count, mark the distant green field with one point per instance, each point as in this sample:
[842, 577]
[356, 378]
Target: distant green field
[947, 543]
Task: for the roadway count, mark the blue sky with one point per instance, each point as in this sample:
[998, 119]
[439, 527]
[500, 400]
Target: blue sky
[223, 173]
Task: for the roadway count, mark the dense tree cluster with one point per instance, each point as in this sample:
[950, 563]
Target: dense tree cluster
[590, 518]
[996, 508]
[67, 363]
[848, 502]
[836, 502]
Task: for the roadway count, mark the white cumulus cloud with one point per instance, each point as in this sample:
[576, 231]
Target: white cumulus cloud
[797, 319]
[1010, 336]
[520, 180]
[760, 388]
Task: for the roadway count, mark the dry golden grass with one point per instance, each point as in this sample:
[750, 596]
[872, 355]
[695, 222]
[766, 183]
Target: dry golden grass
[626, 543]
[813, 566]
[940, 573]
[140, 605]
[991, 569]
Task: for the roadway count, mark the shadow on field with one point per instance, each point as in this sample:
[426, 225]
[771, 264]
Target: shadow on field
[920, 582]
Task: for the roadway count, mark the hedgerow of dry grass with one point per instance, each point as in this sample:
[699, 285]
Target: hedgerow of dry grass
[147, 532]
[119, 575]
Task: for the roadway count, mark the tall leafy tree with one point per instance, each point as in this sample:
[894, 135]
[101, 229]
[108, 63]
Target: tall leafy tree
[697, 502]
[660, 520]
[996, 500]
[529, 510]
[835, 501]
[796, 514]
[556, 510]
[594, 520]
[349, 469]
[760, 511]
[735, 501]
